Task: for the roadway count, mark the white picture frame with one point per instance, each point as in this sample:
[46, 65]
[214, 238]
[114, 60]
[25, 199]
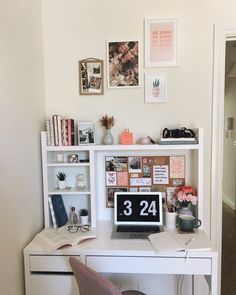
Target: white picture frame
[161, 42]
[155, 87]
[86, 133]
[123, 64]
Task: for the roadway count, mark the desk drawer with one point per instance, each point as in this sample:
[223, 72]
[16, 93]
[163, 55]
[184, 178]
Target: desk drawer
[159, 265]
[47, 263]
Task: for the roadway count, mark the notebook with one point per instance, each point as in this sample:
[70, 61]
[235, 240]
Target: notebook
[136, 214]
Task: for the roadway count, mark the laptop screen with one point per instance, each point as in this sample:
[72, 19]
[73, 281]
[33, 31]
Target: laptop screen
[138, 208]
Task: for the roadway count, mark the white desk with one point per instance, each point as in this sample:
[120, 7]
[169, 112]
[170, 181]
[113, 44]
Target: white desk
[44, 272]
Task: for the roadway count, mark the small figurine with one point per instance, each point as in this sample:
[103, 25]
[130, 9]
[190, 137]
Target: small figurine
[81, 182]
[74, 216]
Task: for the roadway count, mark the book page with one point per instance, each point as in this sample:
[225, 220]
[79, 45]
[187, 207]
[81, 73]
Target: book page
[75, 237]
[49, 239]
[165, 242]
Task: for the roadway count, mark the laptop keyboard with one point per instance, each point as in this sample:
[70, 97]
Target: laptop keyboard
[138, 229]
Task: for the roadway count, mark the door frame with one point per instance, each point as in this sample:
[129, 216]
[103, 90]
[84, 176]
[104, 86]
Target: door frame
[221, 35]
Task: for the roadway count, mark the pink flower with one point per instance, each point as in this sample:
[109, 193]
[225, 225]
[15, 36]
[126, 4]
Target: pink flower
[186, 194]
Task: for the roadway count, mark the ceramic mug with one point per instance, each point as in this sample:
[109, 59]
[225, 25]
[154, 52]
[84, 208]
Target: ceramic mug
[188, 223]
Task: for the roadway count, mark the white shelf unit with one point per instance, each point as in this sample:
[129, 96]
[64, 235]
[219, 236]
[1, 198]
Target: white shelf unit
[72, 195]
[94, 195]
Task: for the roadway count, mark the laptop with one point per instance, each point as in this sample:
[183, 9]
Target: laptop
[137, 214]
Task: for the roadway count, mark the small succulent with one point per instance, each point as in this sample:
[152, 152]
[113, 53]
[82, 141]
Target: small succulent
[61, 176]
[83, 212]
[156, 83]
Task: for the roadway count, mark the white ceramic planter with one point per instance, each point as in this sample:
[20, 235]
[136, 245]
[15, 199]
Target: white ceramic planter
[84, 219]
[62, 184]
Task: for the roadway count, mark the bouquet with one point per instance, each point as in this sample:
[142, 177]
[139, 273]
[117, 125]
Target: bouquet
[107, 122]
[185, 195]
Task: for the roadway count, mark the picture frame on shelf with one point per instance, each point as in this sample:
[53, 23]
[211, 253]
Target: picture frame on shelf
[123, 64]
[161, 42]
[91, 80]
[155, 87]
[86, 133]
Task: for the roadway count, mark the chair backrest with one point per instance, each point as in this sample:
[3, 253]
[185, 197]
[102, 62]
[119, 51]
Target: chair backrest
[89, 281]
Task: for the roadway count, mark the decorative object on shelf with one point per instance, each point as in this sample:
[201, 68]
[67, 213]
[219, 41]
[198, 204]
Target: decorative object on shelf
[186, 196]
[81, 182]
[144, 140]
[126, 137]
[74, 216]
[108, 123]
[60, 158]
[123, 64]
[73, 158]
[178, 133]
[91, 76]
[61, 176]
[86, 133]
[155, 87]
[83, 216]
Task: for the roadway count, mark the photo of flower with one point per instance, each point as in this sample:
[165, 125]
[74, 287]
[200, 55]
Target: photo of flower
[123, 64]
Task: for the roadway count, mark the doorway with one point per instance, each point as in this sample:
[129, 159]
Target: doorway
[222, 36]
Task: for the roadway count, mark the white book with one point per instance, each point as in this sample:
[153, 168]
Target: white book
[178, 139]
[167, 242]
[51, 239]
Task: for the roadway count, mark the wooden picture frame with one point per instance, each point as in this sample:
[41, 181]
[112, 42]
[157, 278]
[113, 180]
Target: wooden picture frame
[91, 80]
[86, 133]
[161, 42]
[123, 65]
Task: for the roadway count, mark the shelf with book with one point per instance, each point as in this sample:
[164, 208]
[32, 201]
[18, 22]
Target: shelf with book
[74, 162]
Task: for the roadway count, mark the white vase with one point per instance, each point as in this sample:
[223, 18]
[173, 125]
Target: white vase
[84, 219]
[185, 211]
[108, 138]
[62, 184]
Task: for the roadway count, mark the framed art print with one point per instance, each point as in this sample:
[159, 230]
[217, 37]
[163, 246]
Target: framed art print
[91, 76]
[123, 64]
[155, 87]
[86, 133]
[161, 42]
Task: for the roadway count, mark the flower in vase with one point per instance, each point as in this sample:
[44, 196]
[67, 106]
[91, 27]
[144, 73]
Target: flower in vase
[107, 122]
[186, 195]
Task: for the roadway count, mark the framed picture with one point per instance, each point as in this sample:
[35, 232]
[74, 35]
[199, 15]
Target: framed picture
[86, 133]
[123, 64]
[161, 42]
[91, 76]
[155, 88]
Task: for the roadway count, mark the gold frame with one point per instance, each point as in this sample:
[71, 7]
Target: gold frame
[91, 80]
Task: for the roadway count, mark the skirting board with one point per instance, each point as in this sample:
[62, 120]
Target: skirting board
[228, 202]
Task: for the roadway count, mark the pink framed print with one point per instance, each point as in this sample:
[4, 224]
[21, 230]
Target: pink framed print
[161, 42]
[155, 87]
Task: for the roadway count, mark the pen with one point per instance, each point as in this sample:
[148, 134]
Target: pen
[189, 241]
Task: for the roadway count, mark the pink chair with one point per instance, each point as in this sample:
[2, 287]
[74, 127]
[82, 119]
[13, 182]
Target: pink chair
[92, 283]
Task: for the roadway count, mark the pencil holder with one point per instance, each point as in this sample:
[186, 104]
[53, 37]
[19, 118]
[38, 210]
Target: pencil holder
[170, 220]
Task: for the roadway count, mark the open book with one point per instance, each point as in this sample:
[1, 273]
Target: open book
[51, 239]
[166, 242]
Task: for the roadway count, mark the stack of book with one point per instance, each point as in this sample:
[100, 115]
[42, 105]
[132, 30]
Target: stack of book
[60, 131]
[181, 140]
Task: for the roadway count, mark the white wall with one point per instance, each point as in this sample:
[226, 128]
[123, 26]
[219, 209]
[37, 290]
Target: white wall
[22, 112]
[73, 30]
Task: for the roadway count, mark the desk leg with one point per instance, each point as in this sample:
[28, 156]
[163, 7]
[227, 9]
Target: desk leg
[214, 276]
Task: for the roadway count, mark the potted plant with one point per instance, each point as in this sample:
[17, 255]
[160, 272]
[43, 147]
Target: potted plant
[61, 176]
[83, 216]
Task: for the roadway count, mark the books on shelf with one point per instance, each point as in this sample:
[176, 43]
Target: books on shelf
[57, 210]
[166, 242]
[60, 131]
[51, 239]
[181, 140]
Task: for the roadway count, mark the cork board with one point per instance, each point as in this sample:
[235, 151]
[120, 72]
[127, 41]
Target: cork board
[142, 173]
